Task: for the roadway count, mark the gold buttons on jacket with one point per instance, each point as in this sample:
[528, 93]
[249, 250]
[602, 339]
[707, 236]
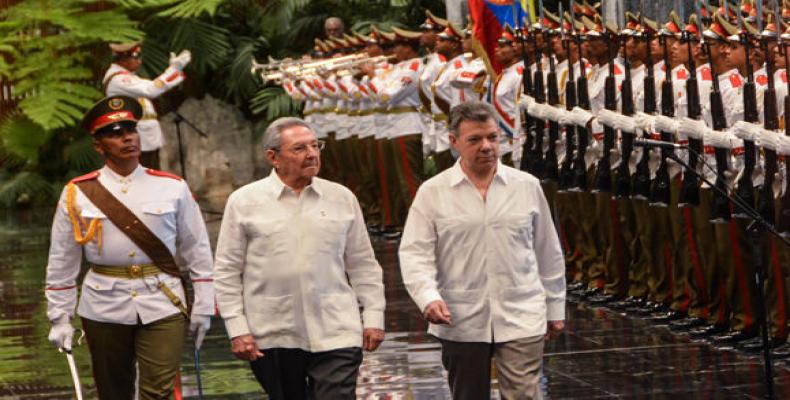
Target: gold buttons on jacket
[134, 293]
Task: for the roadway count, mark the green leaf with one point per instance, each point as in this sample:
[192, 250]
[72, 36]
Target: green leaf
[81, 155]
[23, 138]
[25, 188]
[58, 104]
[191, 8]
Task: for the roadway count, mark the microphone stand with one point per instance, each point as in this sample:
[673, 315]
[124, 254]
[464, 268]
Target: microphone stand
[178, 120]
[756, 230]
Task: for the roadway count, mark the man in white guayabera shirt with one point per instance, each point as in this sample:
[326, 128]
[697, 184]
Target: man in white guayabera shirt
[294, 265]
[481, 258]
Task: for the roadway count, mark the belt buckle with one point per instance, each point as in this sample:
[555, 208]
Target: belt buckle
[136, 271]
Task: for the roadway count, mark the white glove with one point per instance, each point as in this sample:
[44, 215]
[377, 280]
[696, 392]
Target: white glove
[61, 335]
[692, 128]
[666, 124]
[746, 130]
[626, 124]
[553, 113]
[581, 117]
[537, 110]
[565, 116]
[717, 139]
[198, 326]
[526, 101]
[769, 139]
[645, 122]
[783, 145]
[181, 60]
[607, 117]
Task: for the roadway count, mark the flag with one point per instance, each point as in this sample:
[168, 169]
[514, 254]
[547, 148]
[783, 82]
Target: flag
[490, 18]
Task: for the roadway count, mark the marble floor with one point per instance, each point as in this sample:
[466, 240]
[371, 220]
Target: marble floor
[602, 355]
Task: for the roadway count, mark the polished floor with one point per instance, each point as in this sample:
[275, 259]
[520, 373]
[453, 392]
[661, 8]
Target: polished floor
[602, 355]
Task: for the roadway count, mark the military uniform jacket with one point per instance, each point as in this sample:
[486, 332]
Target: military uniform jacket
[165, 205]
[506, 91]
[121, 82]
[443, 91]
[401, 95]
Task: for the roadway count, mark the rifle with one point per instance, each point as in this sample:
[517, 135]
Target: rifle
[689, 190]
[783, 220]
[582, 134]
[720, 209]
[745, 186]
[603, 174]
[535, 165]
[551, 171]
[566, 171]
[623, 181]
[641, 184]
[765, 203]
[527, 120]
[659, 187]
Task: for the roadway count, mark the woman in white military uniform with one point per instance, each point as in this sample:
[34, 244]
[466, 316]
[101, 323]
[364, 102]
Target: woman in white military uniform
[131, 224]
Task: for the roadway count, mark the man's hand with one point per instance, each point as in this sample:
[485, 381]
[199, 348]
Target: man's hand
[554, 328]
[437, 313]
[244, 348]
[61, 334]
[372, 338]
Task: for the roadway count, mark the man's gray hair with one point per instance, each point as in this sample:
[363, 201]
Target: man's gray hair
[476, 111]
[272, 138]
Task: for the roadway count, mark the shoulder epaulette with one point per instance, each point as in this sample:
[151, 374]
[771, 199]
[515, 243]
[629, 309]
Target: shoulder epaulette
[164, 174]
[86, 177]
[415, 66]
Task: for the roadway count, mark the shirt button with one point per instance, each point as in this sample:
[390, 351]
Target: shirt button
[96, 286]
[132, 253]
[134, 293]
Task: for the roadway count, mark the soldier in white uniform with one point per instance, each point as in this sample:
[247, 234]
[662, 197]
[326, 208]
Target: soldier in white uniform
[506, 91]
[133, 305]
[121, 80]
[443, 93]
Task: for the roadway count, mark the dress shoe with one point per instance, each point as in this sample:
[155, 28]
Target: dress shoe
[602, 299]
[755, 344]
[626, 303]
[391, 235]
[651, 308]
[665, 316]
[686, 324]
[574, 286]
[707, 331]
[781, 351]
[732, 337]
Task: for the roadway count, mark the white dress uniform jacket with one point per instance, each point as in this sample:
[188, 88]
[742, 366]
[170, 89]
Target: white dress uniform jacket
[400, 93]
[171, 214]
[506, 92]
[444, 91]
[121, 82]
[294, 271]
[497, 262]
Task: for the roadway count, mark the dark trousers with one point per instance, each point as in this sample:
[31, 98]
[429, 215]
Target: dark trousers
[295, 374]
[156, 347]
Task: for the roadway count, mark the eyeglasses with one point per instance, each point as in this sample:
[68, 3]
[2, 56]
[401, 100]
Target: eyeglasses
[301, 148]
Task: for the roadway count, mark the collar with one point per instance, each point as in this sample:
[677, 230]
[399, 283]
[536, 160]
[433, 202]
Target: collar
[279, 187]
[457, 174]
[107, 171]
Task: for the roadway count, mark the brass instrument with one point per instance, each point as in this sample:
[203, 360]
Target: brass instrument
[277, 70]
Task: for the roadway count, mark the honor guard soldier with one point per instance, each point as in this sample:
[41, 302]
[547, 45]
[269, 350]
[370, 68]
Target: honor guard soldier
[133, 304]
[472, 80]
[506, 91]
[121, 80]
[449, 46]
[432, 63]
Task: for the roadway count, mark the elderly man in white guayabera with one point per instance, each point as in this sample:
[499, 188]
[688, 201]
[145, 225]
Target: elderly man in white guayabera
[294, 265]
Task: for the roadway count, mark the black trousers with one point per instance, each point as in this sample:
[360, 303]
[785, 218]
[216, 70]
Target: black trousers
[295, 374]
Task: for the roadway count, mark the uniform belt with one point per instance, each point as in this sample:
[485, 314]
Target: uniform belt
[126, 272]
[423, 110]
[402, 110]
[340, 111]
[440, 117]
[354, 113]
[141, 271]
[363, 113]
[308, 112]
[380, 110]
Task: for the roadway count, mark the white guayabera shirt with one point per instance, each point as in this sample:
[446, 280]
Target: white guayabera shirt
[294, 271]
[496, 263]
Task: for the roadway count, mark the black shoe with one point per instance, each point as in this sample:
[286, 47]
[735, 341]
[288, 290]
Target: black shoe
[755, 344]
[602, 299]
[707, 331]
[781, 351]
[731, 338]
[686, 324]
[572, 287]
[651, 308]
[590, 292]
[665, 317]
[391, 234]
[625, 304]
